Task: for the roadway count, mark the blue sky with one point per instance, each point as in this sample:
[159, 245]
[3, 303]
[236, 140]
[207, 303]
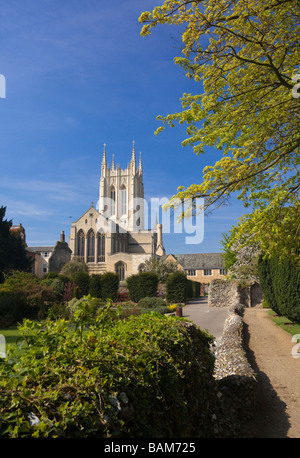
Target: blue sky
[78, 75]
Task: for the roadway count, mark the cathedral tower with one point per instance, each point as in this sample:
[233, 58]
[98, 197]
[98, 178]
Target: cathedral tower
[121, 193]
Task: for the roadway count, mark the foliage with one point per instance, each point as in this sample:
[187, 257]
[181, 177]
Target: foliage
[95, 286]
[280, 282]
[71, 268]
[23, 295]
[82, 280]
[192, 289]
[151, 302]
[109, 285]
[161, 267]
[177, 287]
[142, 285]
[13, 255]
[241, 256]
[246, 55]
[148, 376]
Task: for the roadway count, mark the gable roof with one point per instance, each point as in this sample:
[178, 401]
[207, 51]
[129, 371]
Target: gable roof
[200, 260]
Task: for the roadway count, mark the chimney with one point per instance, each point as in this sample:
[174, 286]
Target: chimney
[62, 236]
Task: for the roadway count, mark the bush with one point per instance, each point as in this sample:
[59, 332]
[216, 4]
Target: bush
[280, 283]
[22, 295]
[95, 286]
[142, 285]
[192, 289]
[149, 376]
[176, 287]
[109, 286]
[151, 302]
[82, 280]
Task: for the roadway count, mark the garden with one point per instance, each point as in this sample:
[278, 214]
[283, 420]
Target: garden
[83, 362]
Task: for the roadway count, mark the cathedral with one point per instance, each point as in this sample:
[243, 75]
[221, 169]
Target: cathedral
[113, 237]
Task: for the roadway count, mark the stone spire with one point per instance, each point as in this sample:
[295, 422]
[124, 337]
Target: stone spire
[133, 162]
[113, 162]
[104, 155]
[140, 170]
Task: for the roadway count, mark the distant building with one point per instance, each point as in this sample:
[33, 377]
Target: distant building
[201, 267]
[114, 238]
[41, 259]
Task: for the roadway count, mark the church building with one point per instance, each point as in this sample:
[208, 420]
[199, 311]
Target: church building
[113, 237]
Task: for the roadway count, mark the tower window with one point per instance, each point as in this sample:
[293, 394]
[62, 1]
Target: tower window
[123, 200]
[113, 201]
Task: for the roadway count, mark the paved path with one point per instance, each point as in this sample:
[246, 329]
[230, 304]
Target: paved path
[207, 318]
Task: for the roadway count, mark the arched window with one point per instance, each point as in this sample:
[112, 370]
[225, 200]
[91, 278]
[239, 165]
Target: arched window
[120, 270]
[123, 200]
[113, 200]
[141, 268]
[101, 247]
[91, 246]
[80, 244]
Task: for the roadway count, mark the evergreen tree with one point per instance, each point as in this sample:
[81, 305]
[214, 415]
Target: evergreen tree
[13, 255]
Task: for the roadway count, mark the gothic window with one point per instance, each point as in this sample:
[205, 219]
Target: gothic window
[113, 200]
[101, 247]
[141, 268]
[80, 244]
[123, 200]
[120, 270]
[91, 246]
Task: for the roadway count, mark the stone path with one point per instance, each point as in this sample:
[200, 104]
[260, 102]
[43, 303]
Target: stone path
[278, 376]
[207, 318]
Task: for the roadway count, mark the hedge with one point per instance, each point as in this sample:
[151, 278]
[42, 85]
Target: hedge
[149, 376]
[176, 287]
[193, 289]
[280, 283]
[109, 285]
[142, 285]
[95, 286]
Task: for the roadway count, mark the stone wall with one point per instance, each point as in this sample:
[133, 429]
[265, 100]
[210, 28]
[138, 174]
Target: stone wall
[224, 293]
[59, 257]
[235, 377]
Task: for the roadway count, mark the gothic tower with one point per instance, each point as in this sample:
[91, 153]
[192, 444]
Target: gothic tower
[121, 193]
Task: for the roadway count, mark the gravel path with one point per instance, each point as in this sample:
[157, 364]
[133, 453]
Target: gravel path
[278, 375]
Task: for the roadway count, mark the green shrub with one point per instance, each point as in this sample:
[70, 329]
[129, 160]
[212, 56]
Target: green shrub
[95, 285]
[280, 283]
[149, 376]
[82, 280]
[23, 295]
[176, 287]
[192, 289]
[109, 286]
[151, 302]
[142, 285]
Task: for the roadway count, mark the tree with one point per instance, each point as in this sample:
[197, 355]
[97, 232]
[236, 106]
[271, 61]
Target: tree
[246, 56]
[161, 267]
[240, 256]
[13, 254]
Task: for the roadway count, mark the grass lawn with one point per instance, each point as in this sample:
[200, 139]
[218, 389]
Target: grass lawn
[285, 323]
[11, 335]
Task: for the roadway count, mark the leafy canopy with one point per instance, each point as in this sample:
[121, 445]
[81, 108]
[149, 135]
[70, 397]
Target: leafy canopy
[245, 55]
